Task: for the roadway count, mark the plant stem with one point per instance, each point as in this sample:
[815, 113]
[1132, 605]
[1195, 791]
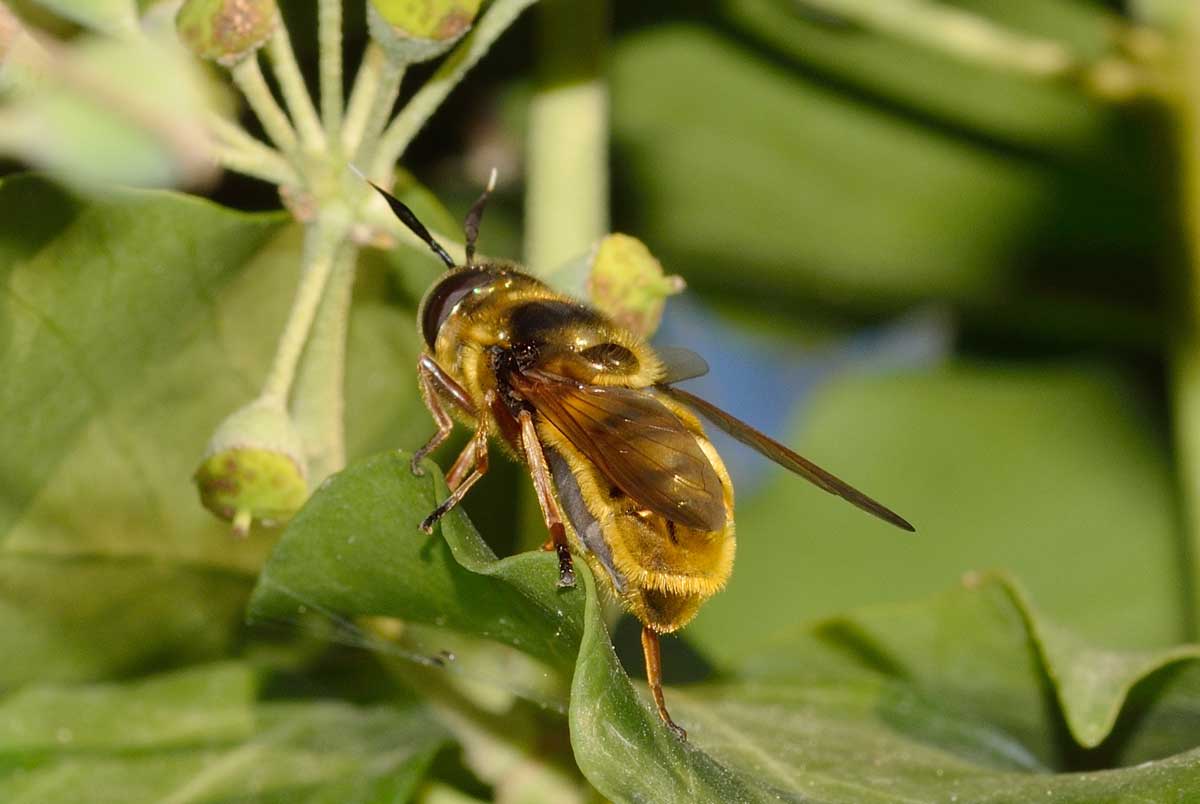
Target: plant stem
[474, 45]
[1186, 357]
[321, 242]
[295, 93]
[381, 110]
[329, 45]
[566, 208]
[375, 89]
[249, 79]
[253, 165]
[239, 151]
[318, 401]
[955, 31]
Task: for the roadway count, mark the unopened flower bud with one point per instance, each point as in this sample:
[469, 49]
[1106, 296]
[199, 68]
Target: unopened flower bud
[226, 31]
[417, 30]
[254, 469]
[627, 283]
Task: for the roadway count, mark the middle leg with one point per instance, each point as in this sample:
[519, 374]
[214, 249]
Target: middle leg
[542, 484]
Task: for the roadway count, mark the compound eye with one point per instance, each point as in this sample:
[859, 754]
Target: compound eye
[446, 295]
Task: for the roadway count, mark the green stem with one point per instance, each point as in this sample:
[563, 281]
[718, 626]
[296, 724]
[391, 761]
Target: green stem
[318, 401]
[566, 208]
[375, 89]
[239, 151]
[329, 44]
[474, 45]
[253, 165]
[249, 79]
[1186, 358]
[973, 37]
[961, 33]
[321, 242]
[295, 92]
[381, 110]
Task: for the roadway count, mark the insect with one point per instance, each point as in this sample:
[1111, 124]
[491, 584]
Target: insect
[623, 471]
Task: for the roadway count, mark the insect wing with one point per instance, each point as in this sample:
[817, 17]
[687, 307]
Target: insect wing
[635, 440]
[787, 458]
[680, 364]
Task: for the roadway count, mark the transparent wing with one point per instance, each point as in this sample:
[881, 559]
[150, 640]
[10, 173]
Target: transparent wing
[636, 442]
[786, 458]
[680, 364]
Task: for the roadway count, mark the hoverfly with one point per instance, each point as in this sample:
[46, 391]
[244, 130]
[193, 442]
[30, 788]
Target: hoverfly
[622, 469]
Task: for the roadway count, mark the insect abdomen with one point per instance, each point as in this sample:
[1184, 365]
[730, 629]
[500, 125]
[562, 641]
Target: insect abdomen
[661, 571]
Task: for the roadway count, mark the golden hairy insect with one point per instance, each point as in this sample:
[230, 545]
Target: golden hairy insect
[623, 471]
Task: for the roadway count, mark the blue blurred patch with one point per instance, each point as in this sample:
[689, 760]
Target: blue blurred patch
[767, 381]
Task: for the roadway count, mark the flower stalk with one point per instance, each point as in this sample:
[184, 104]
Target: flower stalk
[295, 426]
[567, 200]
[329, 31]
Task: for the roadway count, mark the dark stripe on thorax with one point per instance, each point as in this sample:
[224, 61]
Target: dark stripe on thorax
[534, 320]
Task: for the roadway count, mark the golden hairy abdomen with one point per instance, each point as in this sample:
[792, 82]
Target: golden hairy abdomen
[669, 570]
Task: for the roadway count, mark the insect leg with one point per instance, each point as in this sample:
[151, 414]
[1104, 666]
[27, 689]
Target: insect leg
[544, 487]
[462, 464]
[654, 679]
[435, 384]
[479, 449]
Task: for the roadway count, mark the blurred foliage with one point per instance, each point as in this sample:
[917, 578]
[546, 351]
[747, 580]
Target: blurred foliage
[805, 173]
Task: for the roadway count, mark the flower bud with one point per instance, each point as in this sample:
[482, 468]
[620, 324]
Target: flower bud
[627, 283]
[226, 31]
[254, 469]
[417, 30]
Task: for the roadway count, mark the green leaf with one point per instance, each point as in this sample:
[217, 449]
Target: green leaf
[73, 617]
[844, 198]
[136, 324]
[896, 703]
[200, 704]
[1050, 473]
[953, 91]
[199, 736]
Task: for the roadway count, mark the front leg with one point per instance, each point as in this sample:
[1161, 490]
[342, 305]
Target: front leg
[436, 384]
[476, 451]
[544, 486]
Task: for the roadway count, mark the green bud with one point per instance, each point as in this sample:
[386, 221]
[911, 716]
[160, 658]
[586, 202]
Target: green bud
[417, 30]
[226, 31]
[627, 283]
[254, 469]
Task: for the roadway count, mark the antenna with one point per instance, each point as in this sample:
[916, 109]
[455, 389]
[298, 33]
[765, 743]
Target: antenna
[475, 215]
[409, 219]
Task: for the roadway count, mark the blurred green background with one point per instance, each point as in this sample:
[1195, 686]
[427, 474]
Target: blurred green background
[951, 282]
[945, 281]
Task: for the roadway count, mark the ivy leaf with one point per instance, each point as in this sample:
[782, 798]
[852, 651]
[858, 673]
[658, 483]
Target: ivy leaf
[199, 735]
[927, 701]
[1050, 473]
[135, 323]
